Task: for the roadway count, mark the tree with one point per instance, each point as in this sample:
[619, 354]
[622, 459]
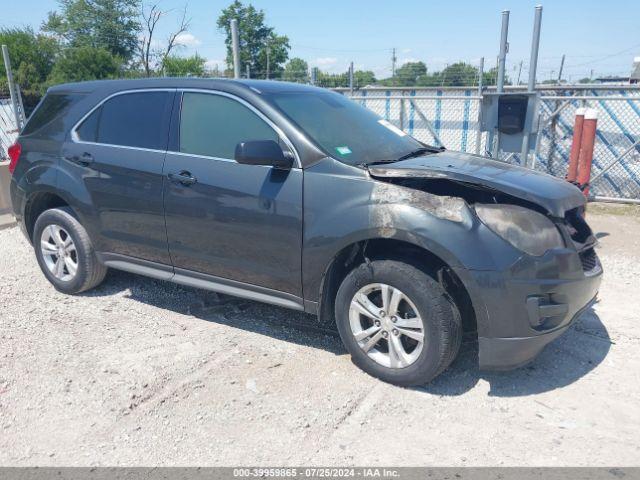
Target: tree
[111, 25]
[459, 74]
[260, 47]
[32, 57]
[149, 54]
[193, 66]
[490, 77]
[408, 73]
[332, 80]
[77, 64]
[362, 78]
[296, 70]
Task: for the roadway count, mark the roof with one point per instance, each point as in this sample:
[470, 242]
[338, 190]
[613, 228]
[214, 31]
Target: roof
[258, 86]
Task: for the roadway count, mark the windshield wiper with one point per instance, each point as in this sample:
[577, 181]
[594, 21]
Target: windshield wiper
[415, 153]
[421, 151]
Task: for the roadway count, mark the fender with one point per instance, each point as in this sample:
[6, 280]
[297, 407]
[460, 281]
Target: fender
[344, 205]
[56, 181]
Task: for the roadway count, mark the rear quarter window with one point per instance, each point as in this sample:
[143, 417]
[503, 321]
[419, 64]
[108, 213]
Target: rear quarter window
[48, 117]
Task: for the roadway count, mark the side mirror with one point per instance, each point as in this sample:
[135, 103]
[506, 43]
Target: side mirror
[263, 152]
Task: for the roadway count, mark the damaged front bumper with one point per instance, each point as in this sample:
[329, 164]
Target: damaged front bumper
[521, 310]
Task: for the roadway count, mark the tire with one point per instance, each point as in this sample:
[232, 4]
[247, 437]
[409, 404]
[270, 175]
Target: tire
[440, 319]
[60, 223]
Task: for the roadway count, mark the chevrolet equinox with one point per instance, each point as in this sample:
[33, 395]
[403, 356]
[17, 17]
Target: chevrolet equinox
[300, 197]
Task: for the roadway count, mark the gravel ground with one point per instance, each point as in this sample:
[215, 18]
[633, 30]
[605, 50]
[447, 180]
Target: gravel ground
[141, 372]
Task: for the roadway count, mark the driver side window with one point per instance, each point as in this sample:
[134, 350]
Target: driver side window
[212, 125]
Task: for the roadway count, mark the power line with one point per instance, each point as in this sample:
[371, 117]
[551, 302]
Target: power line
[621, 52]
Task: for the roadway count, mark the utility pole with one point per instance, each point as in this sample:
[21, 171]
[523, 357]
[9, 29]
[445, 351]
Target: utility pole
[393, 63]
[235, 43]
[560, 72]
[248, 71]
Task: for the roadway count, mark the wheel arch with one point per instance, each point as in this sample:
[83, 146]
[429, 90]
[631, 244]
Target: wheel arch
[378, 248]
[39, 202]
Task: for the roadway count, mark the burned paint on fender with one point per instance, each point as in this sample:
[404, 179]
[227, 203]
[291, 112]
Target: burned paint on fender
[384, 194]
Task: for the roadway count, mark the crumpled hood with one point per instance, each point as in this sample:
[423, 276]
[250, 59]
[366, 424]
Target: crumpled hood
[553, 194]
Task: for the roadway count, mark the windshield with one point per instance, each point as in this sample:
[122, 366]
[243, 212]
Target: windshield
[344, 129]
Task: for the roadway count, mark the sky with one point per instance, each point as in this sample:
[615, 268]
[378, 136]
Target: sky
[603, 36]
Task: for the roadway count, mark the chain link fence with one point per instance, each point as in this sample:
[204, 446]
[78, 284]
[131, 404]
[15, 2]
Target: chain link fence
[8, 130]
[450, 117]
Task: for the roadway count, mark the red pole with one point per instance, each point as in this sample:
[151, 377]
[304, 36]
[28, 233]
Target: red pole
[586, 149]
[572, 171]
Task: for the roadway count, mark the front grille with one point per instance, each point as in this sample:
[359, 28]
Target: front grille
[589, 259]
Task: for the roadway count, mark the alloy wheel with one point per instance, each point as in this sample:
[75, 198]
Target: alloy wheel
[386, 325]
[59, 252]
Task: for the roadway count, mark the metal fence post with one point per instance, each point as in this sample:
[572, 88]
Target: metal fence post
[533, 64]
[402, 111]
[501, 64]
[351, 78]
[13, 92]
[235, 41]
[480, 86]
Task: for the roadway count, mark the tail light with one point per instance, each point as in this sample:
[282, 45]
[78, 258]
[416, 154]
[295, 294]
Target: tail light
[14, 152]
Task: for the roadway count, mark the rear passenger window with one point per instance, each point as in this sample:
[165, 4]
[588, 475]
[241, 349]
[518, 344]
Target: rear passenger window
[212, 125]
[88, 130]
[130, 120]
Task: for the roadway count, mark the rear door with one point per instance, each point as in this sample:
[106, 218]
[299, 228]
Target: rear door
[118, 150]
[233, 221]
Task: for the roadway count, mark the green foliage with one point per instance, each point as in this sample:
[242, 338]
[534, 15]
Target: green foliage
[408, 73]
[77, 64]
[332, 80]
[32, 56]
[458, 74]
[490, 77]
[257, 41]
[174, 66]
[296, 70]
[111, 25]
[362, 78]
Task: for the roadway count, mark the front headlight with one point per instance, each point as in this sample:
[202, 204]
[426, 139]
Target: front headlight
[525, 229]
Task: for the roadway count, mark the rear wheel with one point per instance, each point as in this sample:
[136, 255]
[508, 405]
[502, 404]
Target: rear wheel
[397, 322]
[65, 253]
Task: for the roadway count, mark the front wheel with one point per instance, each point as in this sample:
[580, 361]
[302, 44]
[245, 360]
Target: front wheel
[397, 322]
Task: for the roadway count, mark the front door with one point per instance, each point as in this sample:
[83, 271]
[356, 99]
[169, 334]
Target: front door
[233, 221]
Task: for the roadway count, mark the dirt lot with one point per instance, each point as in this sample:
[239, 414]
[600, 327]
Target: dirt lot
[141, 372]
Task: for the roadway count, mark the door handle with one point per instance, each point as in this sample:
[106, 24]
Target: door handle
[85, 159]
[184, 177]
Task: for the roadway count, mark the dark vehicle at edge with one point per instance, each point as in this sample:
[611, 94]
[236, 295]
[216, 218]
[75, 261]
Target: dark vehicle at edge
[296, 196]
